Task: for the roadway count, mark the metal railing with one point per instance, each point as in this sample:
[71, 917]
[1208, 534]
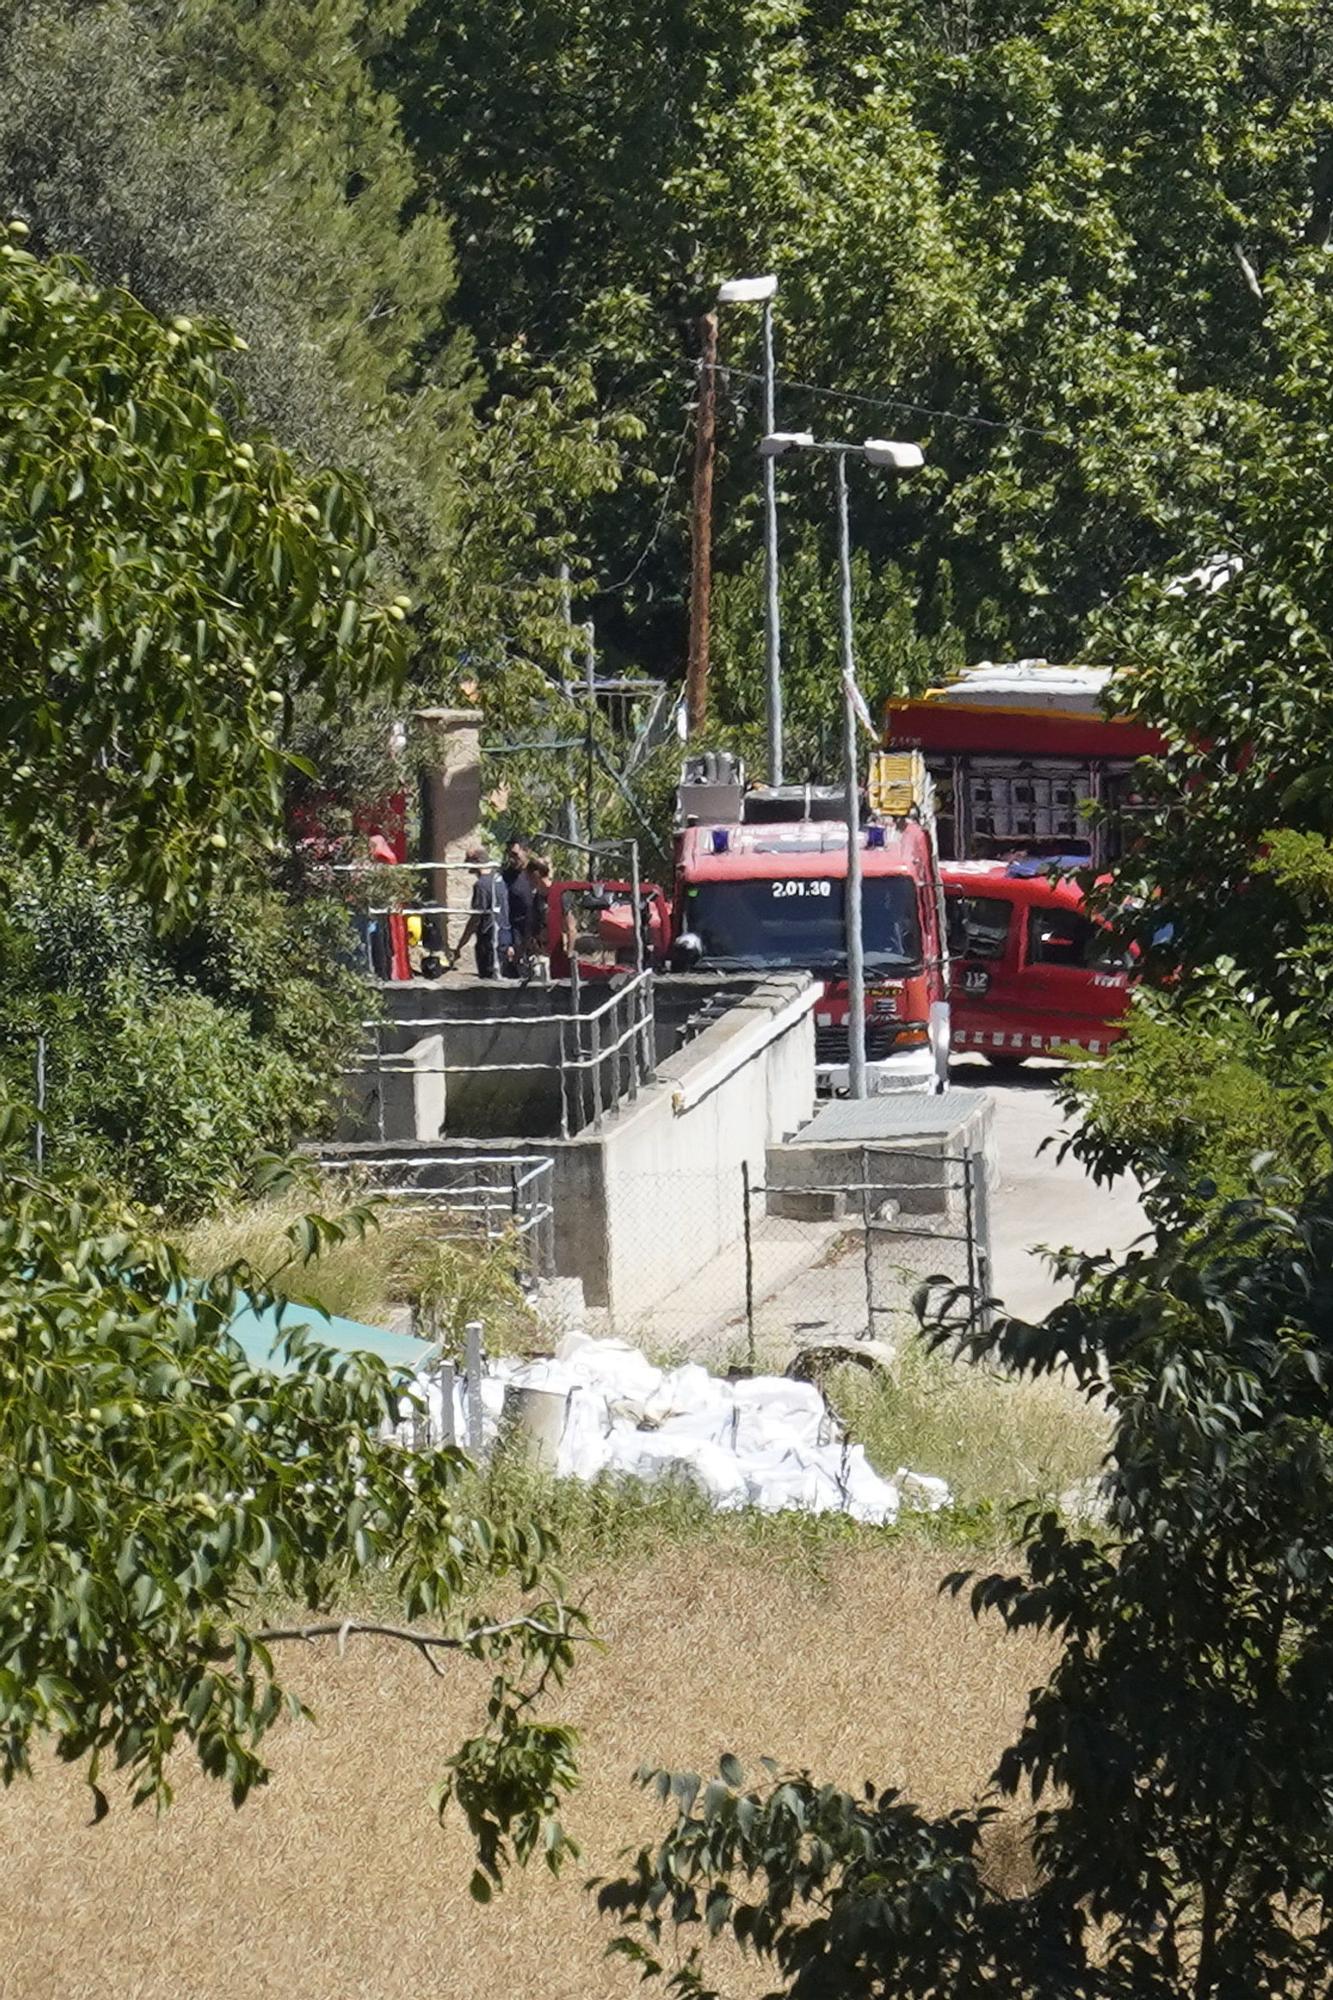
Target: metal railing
[487, 1195]
[605, 1052]
[587, 1091]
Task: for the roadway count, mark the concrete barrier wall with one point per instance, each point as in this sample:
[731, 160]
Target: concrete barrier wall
[673, 1189]
[641, 1205]
[491, 1022]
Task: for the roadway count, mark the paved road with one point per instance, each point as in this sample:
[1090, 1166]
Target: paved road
[1040, 1201]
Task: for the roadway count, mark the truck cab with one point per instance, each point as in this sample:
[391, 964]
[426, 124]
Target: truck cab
[1032, 971]
[761, 885]
[591, 928]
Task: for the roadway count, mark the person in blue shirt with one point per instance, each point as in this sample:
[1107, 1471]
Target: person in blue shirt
[489, 921]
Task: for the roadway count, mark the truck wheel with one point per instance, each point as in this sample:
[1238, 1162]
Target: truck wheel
[1004, 1059]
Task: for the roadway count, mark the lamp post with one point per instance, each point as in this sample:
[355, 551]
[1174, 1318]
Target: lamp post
[902, 458]
[761, 291]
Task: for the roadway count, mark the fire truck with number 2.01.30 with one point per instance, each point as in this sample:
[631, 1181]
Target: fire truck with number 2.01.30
[761, 878]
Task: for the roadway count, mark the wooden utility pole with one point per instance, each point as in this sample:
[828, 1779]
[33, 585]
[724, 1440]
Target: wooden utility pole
[701, 566]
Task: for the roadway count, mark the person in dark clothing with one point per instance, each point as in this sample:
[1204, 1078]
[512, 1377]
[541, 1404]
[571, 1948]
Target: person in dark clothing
[519, 907]
[539, 875]
[489, 922]
[523, 925]
[516, 860]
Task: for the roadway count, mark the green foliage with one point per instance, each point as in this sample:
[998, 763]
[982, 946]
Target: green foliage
[166, 590]
[1178, 1757]
[1029, 234]
[154, 1485]
[894, 654]
[240, 162]
[172, 1061]
[544, 452]
[1000, 1442]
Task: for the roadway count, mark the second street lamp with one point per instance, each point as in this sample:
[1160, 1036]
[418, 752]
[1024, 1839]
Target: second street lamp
[902, 458]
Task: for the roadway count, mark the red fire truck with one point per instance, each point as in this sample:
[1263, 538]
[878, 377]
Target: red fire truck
[1018, 753]
[1032, 972]
[591, 925]
[760, 884]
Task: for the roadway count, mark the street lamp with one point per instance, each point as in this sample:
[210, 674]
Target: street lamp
[760, 291]
[901, 458]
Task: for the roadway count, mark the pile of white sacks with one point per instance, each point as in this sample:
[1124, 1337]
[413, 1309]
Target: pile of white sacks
[766, 1442]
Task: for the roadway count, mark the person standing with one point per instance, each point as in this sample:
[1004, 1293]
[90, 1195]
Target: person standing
[538, 873]
[518, 888]
[489, 922]
[516, 860]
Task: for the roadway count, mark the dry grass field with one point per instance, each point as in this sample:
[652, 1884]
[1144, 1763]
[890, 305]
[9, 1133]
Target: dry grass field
[336, 1884]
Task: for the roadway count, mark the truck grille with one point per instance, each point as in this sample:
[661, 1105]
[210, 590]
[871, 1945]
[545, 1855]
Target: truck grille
[881, 1041]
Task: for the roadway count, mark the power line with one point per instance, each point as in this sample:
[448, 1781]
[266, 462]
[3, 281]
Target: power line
[889, 403]
[668, 490]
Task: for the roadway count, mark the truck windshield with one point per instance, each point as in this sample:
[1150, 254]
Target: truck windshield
[798, 921]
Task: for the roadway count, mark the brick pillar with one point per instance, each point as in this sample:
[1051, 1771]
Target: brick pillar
[449, 741]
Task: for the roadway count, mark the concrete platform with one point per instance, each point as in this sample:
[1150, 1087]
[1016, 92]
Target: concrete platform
[903, 1146]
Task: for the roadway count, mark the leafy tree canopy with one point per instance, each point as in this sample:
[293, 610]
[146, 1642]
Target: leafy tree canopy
[165, 590]
[1062, 225]
[239, 162]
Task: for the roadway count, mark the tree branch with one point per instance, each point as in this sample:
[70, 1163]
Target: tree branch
[428, 1644]
[1248, 271]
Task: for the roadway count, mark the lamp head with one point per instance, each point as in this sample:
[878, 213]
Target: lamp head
[747, 291]
[902, 457]
[778, 442]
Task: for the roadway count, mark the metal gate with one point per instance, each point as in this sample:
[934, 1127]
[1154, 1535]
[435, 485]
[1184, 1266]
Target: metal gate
[844, 1256]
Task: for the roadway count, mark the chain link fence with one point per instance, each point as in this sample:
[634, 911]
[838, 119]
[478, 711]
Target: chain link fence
[820, 1251]
[466, 1198]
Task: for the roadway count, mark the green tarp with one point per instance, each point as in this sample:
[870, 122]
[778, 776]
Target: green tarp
[259, 1333]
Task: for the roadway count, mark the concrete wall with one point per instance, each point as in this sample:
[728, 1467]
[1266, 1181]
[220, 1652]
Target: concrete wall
[490, 1022]
[903, 1141]
[673, 1190]
[642, 1204]
[450, 744]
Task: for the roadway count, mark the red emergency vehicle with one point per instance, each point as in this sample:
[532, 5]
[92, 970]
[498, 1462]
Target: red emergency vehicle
[1022, 755]
[1018, 752]
[1032, 972]
[761, 884]
[591, 924]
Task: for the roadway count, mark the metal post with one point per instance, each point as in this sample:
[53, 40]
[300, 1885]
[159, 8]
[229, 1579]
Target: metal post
[576, 1008]
[749, 1268]
[590, 696]
[856, 980]
[772, 616]
[447, 1403]
[595, 1056]
[472, 1376]
[379, 1075]
[865, 1228]
[638, 913]
[564, 1080]
[701, 529]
